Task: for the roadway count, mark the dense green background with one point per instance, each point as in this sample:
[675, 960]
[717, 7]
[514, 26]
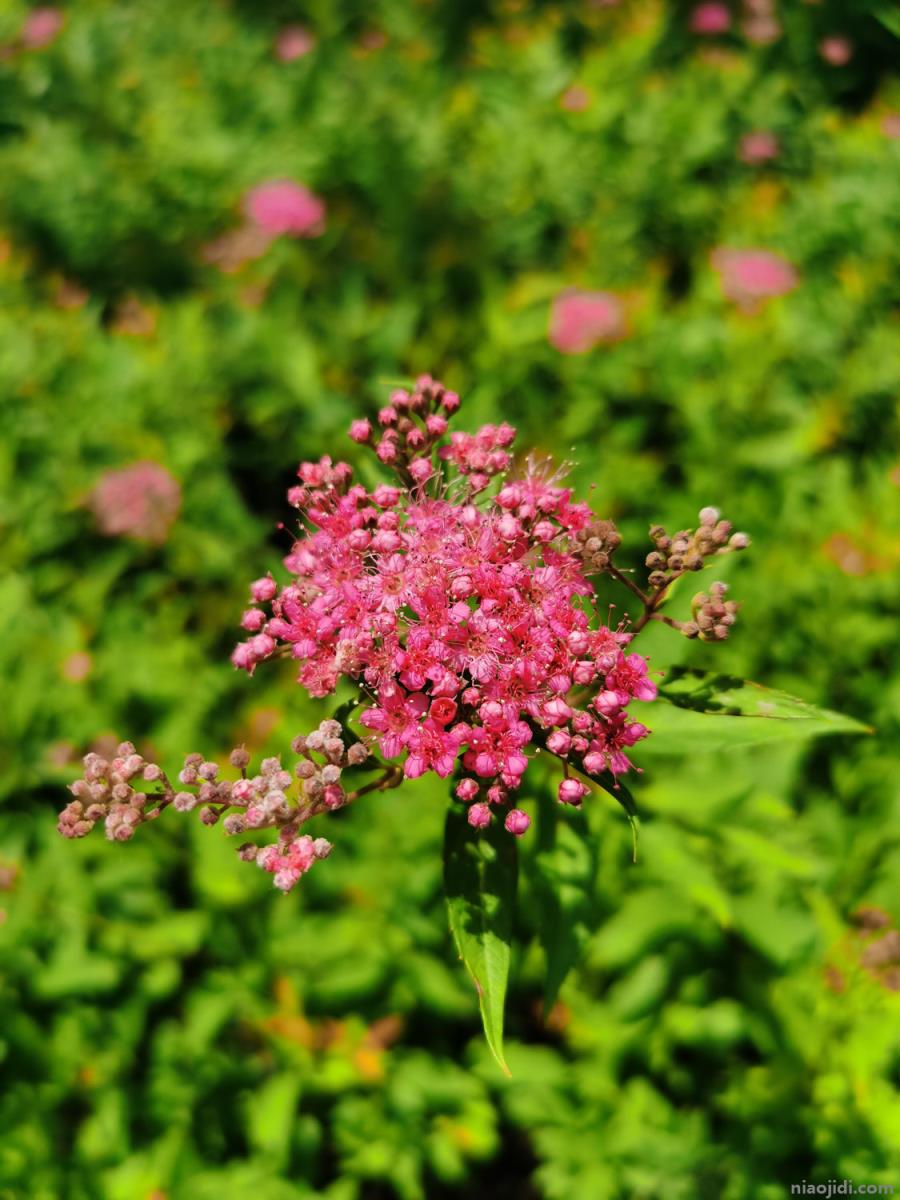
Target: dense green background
[169, 1025]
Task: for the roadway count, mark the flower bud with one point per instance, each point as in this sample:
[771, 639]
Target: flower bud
[263, 590]
[239, 758]
[517, 822]
[467, 790]
[479, 816]
[572, 791]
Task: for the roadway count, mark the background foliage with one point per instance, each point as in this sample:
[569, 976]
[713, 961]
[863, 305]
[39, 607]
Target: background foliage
[169, 1025]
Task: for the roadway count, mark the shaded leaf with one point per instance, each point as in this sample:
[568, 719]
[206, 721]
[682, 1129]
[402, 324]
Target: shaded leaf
[564, 870]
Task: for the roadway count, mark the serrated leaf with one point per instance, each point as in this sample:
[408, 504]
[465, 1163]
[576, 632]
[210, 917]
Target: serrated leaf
[480, 869]
[564, 870]
[704, 711]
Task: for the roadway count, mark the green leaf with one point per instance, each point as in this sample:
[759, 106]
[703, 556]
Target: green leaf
[480, 868]
[888, 16]
[564, 869]
[704, 711]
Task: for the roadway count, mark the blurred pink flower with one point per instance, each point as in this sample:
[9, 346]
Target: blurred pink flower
[575, 98]
[710, 18]
[890, 125]
[758, 146]
[836, 51]
[140, 501]
[293, 42]
[752, 276]
[285, 207]
[762, 30]
[231, 250]
[41, 27]
[581, 320]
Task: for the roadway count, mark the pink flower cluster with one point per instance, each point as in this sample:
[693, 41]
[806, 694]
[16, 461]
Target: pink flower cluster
[750, 277]
[140, 501]
[274, 798]
[293, 42]
[41, 27]
[581, 320]
[279, 208]
[283, 207]
[465, 618]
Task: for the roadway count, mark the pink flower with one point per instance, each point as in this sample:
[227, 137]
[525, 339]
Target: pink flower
[517, 822]
[140, 501]
[708, 19]
[575, 99]
[758, 146]
[290, 859]
[581, 320]
[284, 207]
[572, 791]
[293, 42]
[836, 51]
[467, 790]
[890, 125]
[41, 27]
[752, 276]
[761, 28]
[461, 613]
[360, 431]
[479, 816]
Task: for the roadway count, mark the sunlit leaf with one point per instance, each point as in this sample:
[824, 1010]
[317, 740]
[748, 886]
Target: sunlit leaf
[704, 711]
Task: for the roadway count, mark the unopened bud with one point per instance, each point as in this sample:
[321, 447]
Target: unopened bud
[357, 754]
[239, 758]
